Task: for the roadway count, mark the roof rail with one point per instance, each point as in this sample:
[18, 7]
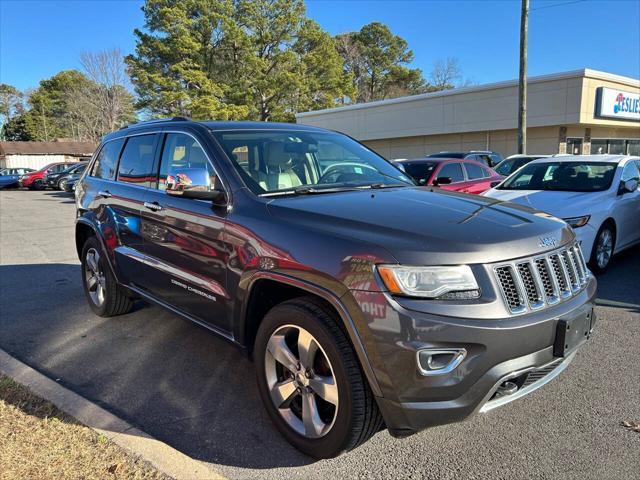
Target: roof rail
[158, 120]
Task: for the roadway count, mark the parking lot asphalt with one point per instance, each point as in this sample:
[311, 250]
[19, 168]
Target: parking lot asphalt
[196, 392]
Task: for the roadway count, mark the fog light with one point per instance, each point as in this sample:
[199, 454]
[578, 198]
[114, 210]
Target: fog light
[440, 361]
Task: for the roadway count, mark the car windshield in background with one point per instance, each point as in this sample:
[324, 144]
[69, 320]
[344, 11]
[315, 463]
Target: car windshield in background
[562, 176]
[278, 161]
[420, 171]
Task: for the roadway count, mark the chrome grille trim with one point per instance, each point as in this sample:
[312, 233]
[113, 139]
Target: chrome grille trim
[528, 284]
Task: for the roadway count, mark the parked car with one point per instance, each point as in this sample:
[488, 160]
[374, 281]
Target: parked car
[53, 179]
[68, 183]
[36, 180]
[510, 164]
[9, 176]
[487, 157]
[363, 299]
[465, 176]
[597, 195]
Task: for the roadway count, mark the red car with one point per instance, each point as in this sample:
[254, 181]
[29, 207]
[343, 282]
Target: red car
[35, 180]
[454, 174]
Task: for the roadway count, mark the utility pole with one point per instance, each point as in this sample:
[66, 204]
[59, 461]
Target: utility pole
[522, 90]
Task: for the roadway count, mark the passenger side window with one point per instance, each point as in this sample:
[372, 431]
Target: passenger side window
[182, 151]
[453, 171]
[136, 163]
[475, 172]
[105, 164]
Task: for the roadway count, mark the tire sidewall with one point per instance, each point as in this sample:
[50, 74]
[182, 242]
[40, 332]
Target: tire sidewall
[92, 242]
[336, 440]
[594, 250]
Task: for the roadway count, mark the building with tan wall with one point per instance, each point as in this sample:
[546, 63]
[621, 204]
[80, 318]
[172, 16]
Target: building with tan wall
[582, 111]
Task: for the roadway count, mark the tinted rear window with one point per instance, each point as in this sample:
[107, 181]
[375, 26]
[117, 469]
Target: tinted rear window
[420, 172]
[107, 160]
[475, 172]
[136, 163]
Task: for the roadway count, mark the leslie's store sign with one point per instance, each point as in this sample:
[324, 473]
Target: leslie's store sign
[614, 103]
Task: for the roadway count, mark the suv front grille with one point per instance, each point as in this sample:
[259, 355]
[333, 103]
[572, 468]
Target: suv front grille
[533, 283]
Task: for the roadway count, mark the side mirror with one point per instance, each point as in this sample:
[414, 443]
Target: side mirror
[193, 183]
[442, 181]
[496, 183]
[628, 187]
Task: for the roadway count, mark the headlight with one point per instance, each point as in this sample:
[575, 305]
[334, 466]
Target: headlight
[430, 282]
[576, 222]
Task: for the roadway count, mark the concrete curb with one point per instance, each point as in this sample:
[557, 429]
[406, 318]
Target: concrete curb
[163, 457]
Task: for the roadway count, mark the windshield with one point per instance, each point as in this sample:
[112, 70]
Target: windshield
[420, 171]
[280, 161]
[505, 167]
[562, 176]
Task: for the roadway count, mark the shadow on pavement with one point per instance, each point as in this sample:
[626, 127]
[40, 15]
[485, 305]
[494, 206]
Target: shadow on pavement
[620, 286]
[167, 376]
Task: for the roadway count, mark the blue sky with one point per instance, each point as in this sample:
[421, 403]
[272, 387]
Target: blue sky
[40, 38]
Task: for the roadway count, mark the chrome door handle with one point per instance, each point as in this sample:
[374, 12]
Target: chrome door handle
[104, 194]
[156, 207]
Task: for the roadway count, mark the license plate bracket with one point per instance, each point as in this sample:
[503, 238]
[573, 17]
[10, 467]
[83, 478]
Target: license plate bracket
[572, 332]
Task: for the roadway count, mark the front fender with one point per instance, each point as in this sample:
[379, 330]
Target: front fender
[242, 303]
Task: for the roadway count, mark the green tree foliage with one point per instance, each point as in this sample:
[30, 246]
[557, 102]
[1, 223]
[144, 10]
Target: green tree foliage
[234, 59]
[48, 116]
[11, 108]
[74, 105]
[377, 61]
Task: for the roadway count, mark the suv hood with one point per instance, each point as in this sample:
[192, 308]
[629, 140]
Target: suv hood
[421, 226]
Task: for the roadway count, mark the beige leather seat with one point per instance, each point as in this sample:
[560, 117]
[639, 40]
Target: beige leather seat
[280, 175]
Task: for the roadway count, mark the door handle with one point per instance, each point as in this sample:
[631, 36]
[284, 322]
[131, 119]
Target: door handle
[155, 206]
[104, 194]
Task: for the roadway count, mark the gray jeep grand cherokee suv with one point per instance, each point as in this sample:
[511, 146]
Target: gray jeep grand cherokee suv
[366, 301]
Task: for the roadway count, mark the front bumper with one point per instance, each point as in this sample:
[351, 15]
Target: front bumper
[497, 350]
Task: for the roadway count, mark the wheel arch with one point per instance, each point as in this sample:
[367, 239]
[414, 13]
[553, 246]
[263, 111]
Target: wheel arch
[86, 229]
[253, 310]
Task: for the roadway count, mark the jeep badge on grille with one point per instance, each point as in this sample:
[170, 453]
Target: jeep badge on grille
[547, 241]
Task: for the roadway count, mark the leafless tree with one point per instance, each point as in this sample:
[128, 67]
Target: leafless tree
[107, 70]
[445, 73]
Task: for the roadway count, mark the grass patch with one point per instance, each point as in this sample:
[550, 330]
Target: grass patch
[38, 441]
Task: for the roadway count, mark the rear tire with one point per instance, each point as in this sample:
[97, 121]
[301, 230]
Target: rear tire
[603, 247]
[105, 296]
[328, 382]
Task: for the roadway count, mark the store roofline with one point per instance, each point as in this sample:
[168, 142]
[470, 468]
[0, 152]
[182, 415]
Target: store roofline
[581, 73]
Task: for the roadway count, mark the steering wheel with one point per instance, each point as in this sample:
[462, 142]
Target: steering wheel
[349, 170]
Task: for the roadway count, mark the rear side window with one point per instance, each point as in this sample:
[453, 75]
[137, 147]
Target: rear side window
[107, 160]
[453, 171]
[181, 151]
[136, 162]
[475, 172]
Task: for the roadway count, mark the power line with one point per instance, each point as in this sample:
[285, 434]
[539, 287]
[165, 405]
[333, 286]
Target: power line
[558, 5]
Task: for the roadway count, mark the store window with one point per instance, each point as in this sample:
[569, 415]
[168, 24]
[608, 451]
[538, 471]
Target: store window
[599, 146]
[574, 146]
[615, 146]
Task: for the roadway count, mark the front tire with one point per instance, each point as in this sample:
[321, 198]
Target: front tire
[106, 298]
[603, 248]
[311, 382]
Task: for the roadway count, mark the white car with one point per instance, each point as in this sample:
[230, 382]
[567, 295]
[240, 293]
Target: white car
[598, 195]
